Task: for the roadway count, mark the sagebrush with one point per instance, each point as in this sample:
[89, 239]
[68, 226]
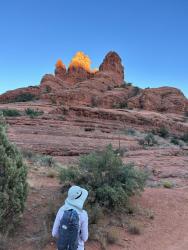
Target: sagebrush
[109, 181]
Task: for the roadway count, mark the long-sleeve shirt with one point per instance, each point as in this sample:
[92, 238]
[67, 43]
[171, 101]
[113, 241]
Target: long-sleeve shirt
[83, 227]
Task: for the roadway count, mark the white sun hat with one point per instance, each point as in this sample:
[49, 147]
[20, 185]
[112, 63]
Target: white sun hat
[76, 198]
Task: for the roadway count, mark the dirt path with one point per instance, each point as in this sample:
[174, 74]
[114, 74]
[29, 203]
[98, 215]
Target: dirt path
[169, 229]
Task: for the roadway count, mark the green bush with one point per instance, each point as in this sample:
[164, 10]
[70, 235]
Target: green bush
[24, 97]
[33, 113]
[175, 141]
[163, 132]
[10, 112]
[167, 184]
[13, 185]
[185, 137]
[149, 140]
[108, 180]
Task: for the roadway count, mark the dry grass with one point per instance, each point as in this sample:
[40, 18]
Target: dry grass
[167, 184]
[134, 228]
[51, 173]
[112, 236]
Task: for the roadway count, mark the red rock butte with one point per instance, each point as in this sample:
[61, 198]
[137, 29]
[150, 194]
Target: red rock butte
[105, 88]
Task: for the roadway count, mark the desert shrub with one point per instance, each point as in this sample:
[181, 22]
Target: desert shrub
[130, 131]
[185, 137]
[112, 236]
[27, 154]
[120, 105]
[33, 113]
[163, 132]
[10, 112]
[24, 97]
[149, 140]
[46, 160]
[175, 141]
[134, 229]
[40, 160]
[109, 181]
[167, 184]
[47, 89]
[123, 105]
[115, 106]
[51, 174]
[13, 185]
[121, 151]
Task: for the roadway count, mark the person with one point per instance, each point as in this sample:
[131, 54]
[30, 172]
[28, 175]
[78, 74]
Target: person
[75, 200]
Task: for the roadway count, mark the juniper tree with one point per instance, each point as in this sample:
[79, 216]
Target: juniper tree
[13, 185]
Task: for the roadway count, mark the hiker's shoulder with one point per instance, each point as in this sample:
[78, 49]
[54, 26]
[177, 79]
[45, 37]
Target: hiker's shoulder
[84, 214]
[60, 211]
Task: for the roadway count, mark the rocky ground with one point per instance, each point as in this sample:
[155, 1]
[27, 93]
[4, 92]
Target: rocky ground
[68, 132]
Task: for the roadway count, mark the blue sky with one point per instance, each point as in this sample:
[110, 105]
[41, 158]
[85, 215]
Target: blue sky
[150, 36]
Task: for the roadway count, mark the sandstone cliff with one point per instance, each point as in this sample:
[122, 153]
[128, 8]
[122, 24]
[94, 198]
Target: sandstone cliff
[105, 88]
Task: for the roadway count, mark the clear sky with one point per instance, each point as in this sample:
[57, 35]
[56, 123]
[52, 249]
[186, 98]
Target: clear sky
[151, 36]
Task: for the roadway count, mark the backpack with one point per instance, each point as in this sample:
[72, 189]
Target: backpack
[68, 231]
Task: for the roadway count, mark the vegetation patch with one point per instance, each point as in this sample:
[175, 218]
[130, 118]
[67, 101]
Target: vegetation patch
[33, 113]
[167, 184]
[51, 173]
[13, 192]
[185, 137]
[163, 132]
[129, 131]
[39, 160]
[109, 181]
[175, 141]
[112, 236]
[135, 229]
[149, 140]
[10, 112]
[24, 97]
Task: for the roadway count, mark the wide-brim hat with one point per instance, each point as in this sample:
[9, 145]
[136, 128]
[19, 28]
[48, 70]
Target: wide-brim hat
[76, 197]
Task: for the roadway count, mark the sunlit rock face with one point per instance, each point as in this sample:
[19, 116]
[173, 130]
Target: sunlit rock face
[78, 70]
[80, 85]
[60, 69]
